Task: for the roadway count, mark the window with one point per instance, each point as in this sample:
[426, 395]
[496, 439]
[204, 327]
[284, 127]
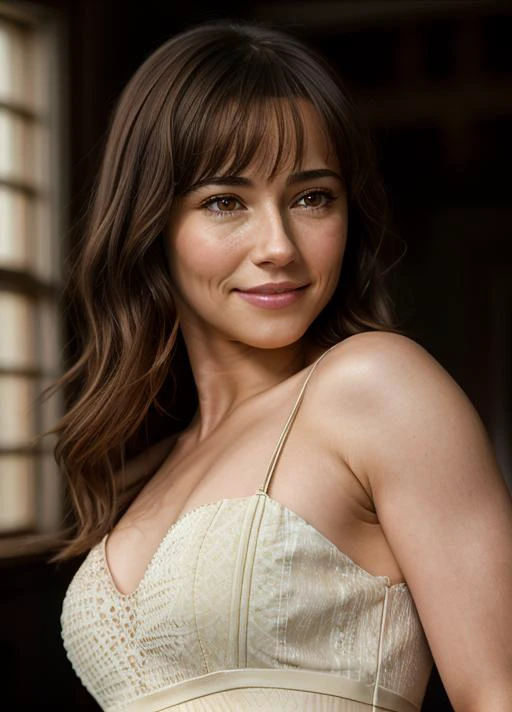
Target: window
[32, 226]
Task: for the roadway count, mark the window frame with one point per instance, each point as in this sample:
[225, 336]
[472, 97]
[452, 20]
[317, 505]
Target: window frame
[40, 282]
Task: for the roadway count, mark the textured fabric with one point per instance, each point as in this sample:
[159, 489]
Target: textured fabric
[268, 700]
[241, 583]
[238, 585]
[279, 687]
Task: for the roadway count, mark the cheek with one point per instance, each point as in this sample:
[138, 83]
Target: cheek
[325, 251]
[194, 255]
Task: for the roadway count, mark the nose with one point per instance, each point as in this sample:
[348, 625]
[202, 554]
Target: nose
[273, 241]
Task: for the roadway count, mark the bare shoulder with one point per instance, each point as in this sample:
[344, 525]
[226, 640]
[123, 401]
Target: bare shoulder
[384, 366]
[384, 394]
[376, 350]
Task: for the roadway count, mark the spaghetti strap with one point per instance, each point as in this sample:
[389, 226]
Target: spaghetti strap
[288, 425]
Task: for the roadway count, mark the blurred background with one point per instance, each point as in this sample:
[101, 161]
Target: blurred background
[433, 79]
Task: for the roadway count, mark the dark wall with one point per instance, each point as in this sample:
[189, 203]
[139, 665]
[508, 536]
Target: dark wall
[436, 90]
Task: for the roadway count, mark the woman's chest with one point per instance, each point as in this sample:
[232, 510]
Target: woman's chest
[308, 478]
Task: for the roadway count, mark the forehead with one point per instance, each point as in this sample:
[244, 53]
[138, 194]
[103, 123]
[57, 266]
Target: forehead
[271, 136]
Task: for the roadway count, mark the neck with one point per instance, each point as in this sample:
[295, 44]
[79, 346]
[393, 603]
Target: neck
[229, 373]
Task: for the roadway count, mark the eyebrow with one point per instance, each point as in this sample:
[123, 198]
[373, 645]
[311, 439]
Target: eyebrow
[241, 181]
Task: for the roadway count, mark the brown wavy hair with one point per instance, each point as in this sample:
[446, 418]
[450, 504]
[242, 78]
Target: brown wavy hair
[201, 103]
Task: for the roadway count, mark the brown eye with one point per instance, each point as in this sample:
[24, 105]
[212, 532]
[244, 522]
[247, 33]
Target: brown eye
[222, 204]
[315, 199]
[227, 203]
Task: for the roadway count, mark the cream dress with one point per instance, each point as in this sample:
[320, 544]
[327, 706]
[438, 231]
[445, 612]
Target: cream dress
[246, 606]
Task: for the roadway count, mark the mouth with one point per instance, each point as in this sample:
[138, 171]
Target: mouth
[273, 295]
[273, 288]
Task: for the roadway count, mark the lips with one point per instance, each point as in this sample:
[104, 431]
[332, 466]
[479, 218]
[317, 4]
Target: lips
[273, 295]
[273, 288]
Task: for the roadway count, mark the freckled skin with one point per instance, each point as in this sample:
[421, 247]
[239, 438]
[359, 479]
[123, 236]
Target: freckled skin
[224, 238]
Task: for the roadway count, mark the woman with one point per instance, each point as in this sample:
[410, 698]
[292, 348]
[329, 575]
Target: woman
[284, 498]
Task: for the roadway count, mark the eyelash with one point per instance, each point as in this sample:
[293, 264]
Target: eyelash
[325, 192]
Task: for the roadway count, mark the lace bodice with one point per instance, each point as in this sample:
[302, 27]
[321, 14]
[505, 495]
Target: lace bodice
[244, 597]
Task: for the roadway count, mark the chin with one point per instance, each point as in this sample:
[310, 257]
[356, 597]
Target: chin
[275, 340]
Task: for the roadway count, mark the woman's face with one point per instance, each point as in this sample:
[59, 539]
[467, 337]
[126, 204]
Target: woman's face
[255, 261]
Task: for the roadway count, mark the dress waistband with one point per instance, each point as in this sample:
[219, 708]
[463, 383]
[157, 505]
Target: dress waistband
[285, 678]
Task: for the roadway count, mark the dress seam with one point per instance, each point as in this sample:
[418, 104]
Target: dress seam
[243, 663]
[249, 574]
[379, 650]
[194, 588]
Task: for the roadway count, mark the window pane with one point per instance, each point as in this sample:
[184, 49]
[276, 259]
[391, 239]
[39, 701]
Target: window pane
[17, 343]
[5, 61]
[17, 492]
[17, 412]
[26, 239]
[14, 229]
[15, 63]
[16, 148]
[8, 36]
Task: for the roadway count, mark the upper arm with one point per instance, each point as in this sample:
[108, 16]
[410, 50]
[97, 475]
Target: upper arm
[444, 509]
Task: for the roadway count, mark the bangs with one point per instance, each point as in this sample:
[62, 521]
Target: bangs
[262, 128]
[267, 134]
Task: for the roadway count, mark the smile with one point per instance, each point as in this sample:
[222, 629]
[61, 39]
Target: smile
[269, 296]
